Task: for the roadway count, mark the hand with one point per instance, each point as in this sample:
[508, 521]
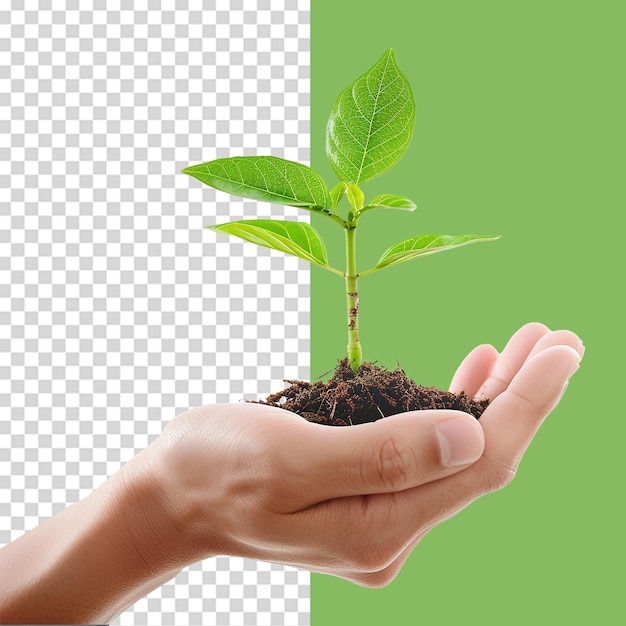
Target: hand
[257, 481]
[260, 482]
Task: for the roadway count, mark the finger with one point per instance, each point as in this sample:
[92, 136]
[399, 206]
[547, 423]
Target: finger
[368, 575]
[381, 577]
[513, 418]
[511, 359]
[392, 454]
[474, 370]
[558, 338]
[509, 422]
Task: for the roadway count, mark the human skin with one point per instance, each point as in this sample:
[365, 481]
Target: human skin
[260, 482]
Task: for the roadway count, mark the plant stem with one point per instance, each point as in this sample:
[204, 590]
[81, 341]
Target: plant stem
[355, 354]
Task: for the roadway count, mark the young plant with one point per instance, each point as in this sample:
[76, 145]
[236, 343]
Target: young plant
[369, 129]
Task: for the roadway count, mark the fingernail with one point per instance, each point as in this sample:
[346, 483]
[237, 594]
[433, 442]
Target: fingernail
[461, 441]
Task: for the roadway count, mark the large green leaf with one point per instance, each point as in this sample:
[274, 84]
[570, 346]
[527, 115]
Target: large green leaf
[371, 124]
[266, 178]
[297, 238]
[423, 245]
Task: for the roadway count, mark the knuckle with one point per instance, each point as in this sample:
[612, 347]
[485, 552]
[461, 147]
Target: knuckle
[369, 560]
[376, 558]
[500, 476]
[392, 464]
[380, 579]
[374, 580]
[537, 406]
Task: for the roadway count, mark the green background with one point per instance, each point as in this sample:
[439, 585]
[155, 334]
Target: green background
[520, 131]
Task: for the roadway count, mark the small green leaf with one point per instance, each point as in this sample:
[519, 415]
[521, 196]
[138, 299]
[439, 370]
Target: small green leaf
[336, 193]
[423, 245]
[388, 201]
[266, 178]
[296, 238]
[356, 198]
[371, 123]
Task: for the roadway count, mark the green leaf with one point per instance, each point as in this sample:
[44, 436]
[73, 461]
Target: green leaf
[356, 198]
[337, 192]
[296, 238]
[266, 178]
[388, 201]
[423, 245]
[371, 123]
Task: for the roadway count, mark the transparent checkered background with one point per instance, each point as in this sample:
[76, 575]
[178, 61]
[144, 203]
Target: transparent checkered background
[117, 310]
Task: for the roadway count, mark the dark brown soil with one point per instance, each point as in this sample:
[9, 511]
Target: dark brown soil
[366, 396]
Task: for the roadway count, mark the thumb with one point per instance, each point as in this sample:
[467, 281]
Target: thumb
[392, 454]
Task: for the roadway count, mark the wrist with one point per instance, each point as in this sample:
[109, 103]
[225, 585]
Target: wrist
[154, 522]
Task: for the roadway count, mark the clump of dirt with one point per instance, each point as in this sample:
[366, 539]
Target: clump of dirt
[370, 394]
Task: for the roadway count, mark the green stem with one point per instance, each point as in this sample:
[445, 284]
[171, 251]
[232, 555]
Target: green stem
[355, 354]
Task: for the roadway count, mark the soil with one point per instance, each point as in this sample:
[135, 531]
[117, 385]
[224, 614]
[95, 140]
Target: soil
[370, 394]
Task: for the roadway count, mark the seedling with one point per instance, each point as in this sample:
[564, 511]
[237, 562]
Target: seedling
[369, 130]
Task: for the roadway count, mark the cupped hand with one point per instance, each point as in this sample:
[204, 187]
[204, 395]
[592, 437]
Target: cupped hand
[260, 482]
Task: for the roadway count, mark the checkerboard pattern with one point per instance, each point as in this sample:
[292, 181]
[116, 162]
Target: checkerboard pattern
[117, 309]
